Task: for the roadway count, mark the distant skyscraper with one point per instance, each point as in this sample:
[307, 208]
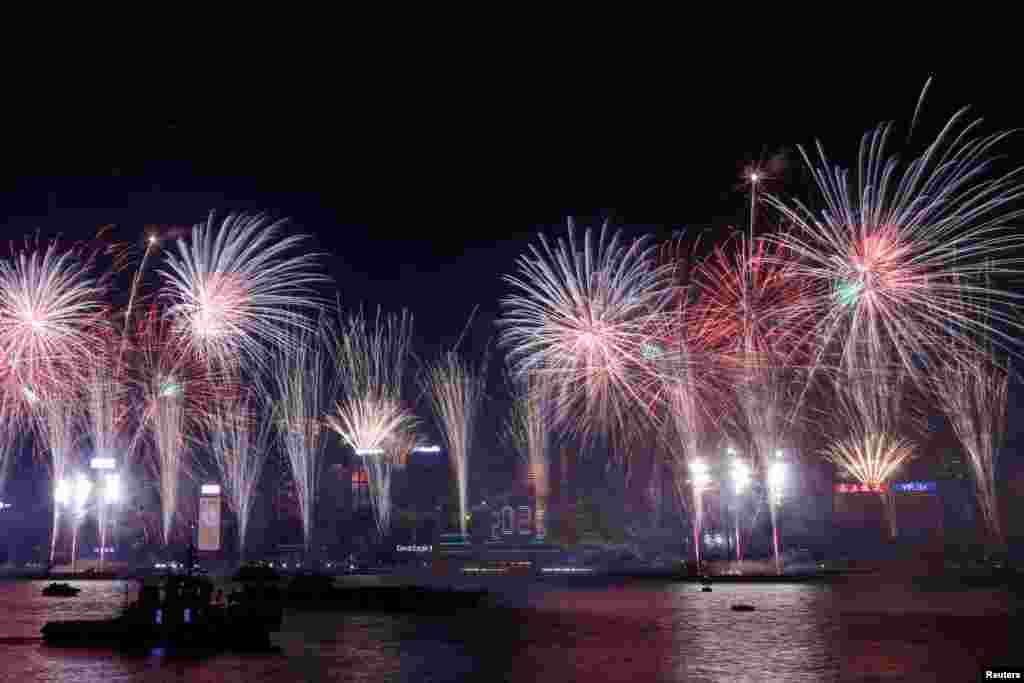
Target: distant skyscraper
[360, 488]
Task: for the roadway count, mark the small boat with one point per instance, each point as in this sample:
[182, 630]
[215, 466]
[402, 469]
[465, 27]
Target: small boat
[61, 590]
[743, 608]
[183, 619]
[705, 589]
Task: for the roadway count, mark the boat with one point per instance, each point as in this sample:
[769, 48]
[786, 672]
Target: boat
[743, 608]
[61, 590]
[183, 618]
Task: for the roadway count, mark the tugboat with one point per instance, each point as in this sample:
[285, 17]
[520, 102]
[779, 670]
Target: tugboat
[61, 590]
[183, 619]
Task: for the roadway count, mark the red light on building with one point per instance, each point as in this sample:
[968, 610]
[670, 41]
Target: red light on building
[860, 488]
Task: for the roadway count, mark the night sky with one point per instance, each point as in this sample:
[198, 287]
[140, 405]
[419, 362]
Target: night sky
[425, 191]
[423, 188]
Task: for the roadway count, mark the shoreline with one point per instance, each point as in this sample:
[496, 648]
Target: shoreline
[949, 579]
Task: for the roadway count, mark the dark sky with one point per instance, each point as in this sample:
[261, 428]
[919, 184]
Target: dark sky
[424, 190]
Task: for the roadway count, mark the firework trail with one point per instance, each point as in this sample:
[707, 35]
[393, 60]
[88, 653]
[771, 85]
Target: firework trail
[57, 424]
[972, 391]
[9, 437]
[239, 431]
[456, 391]
[371, 363]
[578, 321]
[380, 467]
[305, 387]
[15, 412]
[107, 415]
[176, 392]
[152, 243]
[232, 288]
[897, 262]
[685, 384]
[50, 315]
[106, 400]
[527, 431]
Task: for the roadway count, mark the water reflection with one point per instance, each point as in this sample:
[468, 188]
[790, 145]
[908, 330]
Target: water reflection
[789, 636]
[636, 632]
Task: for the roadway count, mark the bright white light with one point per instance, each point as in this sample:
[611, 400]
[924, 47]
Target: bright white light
[754, 177]
[730, 450]
[83, 487]
[210, 489]
[369, 451]
[427, 449]
[776, 476]
[62, 494]
[740, 475]
[112, 488]
[102, 463]
[779, 453]
[699, 471]
[152, 239]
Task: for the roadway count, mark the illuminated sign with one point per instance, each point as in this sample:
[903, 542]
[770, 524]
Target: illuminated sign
[913, 487]
[102, 463]
[860, 488]
[210, 490]
[414, 548]
[209, 523]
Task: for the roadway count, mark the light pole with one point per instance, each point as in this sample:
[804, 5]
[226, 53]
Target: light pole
[111, 495]
[776, 480]
[741, 479]
[700, 479]
[61, 497]
[80, 496]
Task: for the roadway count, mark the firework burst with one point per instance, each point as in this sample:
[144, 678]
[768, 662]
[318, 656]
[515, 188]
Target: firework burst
[50, 316]
[578, 321]
[371, 363]
[233, 289]
[871, 413]
[872, 459]
[899, 259]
